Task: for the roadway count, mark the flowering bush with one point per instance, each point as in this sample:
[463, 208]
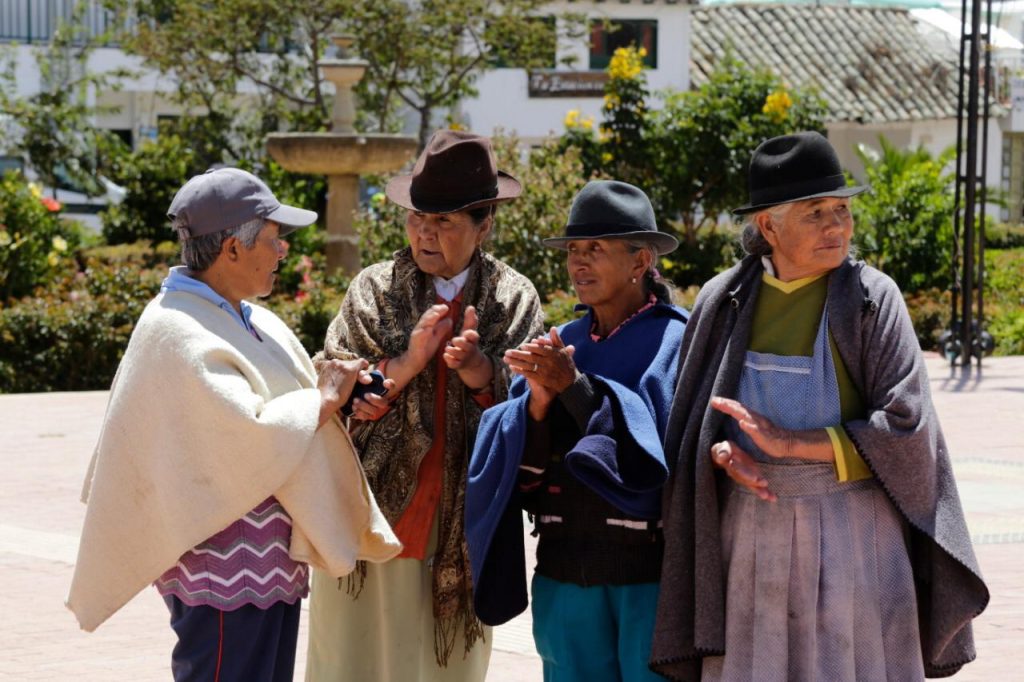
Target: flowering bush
[33, 239]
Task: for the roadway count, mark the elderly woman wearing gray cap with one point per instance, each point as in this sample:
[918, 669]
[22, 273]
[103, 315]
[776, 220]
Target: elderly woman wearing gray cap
[435, 320]
[222, 469]
[812, 525]
[578, 445]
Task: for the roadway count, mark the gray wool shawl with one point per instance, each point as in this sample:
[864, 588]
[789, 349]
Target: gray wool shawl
[900, 440]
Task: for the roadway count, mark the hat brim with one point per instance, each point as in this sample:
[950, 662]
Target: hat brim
[398, 191]
[291, 218]
[842, 192]
[663, 243]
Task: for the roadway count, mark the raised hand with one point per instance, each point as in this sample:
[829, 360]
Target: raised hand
[430, 331]
[810, 444]
[463, 354]
[546, 364]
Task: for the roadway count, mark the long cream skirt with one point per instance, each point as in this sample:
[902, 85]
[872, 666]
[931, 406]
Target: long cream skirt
[387, 633]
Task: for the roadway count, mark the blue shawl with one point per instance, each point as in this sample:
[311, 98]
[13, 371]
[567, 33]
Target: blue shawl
[619, 457]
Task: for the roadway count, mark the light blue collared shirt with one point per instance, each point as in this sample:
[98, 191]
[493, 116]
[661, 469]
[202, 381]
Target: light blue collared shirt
[178, 280]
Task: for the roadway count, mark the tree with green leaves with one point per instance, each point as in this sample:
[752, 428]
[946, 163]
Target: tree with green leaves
[423, 55]
[426, 55]
[691, 154]
[54, 128]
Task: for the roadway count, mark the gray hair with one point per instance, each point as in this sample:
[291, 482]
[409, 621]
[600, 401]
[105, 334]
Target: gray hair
[653, 282]
[751, 239]
[754, 243]
[199, 253]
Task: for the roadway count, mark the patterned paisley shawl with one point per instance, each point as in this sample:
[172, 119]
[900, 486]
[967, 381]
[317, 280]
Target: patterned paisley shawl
[379, 312]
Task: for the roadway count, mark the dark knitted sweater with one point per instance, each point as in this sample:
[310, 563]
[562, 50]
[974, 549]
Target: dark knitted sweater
[584, 539]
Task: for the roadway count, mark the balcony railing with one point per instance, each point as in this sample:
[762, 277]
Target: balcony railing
[34, 21]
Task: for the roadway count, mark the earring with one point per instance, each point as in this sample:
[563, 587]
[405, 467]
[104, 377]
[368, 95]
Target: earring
[633, 280]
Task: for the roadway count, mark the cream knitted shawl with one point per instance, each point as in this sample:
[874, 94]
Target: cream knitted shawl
[205, 422]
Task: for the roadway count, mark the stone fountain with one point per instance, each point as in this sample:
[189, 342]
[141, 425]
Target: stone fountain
[342, 155]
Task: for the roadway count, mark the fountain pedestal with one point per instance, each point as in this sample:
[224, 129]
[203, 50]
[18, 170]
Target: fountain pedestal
[342, 155]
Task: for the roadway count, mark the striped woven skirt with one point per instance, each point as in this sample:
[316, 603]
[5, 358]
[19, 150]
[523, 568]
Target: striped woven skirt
[819, 583]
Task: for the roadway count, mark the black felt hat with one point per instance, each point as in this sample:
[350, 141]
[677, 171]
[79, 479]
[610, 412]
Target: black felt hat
[609, 209]
[455, 172]
[794, 168]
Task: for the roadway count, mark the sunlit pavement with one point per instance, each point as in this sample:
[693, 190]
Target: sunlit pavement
[46, 440]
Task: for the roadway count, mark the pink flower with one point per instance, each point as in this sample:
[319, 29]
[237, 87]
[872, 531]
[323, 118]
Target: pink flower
[51, 204]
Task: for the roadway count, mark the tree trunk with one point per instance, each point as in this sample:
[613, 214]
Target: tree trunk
[425, 127]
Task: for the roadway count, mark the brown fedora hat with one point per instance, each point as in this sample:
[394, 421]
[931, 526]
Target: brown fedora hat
[455, 172]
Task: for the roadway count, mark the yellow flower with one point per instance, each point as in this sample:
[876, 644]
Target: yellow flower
[455, 125]
[52, 259]
[5, 238]
[626, 63]
[35, 190]
[777, 105]
[606, 157]
[59, 244]
[572, 118]
[587, 123]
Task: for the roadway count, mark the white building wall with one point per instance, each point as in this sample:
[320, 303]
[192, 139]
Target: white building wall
[504, 102]
[934, 135]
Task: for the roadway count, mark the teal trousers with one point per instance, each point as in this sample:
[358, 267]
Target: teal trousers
[594, 634]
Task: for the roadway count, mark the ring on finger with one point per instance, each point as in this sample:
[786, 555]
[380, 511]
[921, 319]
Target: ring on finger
[535, 366]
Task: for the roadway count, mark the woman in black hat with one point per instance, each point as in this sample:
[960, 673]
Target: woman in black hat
[812, 525]
[578, 445]
[436, 321]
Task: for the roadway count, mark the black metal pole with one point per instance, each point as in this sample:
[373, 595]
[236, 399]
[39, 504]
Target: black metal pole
[983, 187]
[970, 181]
[954, 328]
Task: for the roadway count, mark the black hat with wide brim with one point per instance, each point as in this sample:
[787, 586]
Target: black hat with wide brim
[610, 209]
[455, 172]
[795, 167]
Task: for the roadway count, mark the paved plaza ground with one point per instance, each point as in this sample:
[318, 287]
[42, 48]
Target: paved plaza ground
[46, 440]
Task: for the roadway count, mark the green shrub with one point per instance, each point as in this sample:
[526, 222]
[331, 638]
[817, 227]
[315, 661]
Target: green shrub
[34, 241]
[152, 175]
[929, 312]
[1004, 236]
[904, 224]
[1004, 299]
[70, 336]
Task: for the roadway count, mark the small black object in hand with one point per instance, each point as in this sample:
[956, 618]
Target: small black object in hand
[361, 389]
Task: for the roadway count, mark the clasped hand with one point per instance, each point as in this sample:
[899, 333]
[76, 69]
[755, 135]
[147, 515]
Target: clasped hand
[547, 365]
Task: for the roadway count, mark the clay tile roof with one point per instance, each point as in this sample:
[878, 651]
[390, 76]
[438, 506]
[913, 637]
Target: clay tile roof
[870, 64]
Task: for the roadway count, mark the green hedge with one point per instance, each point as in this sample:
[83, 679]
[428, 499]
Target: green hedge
[71, 334]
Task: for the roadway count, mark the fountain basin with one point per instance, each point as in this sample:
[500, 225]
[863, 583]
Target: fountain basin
[341, 154]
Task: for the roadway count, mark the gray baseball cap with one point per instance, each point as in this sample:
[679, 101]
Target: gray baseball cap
[222, 198]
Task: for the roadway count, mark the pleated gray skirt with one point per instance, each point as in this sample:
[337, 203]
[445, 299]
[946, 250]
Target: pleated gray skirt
[819, 583]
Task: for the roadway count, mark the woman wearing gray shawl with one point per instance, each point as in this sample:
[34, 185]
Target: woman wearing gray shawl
[813, 529]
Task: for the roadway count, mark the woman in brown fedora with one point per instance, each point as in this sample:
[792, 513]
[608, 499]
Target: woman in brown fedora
[435, 321]
[813, 529]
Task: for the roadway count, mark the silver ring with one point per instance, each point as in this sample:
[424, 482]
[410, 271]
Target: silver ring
[535, 367]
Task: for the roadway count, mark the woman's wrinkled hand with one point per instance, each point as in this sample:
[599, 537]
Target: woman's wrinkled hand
[430, 331]
[335, 381]
[773, 440]
[371, 406]
[810, 444]
[463, 354]
[741, 468]
[547, 365]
